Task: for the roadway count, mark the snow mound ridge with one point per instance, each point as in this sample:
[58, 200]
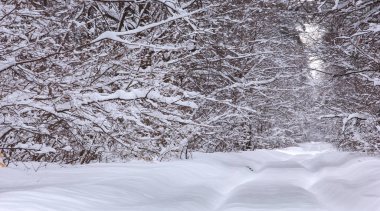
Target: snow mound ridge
[311, 177]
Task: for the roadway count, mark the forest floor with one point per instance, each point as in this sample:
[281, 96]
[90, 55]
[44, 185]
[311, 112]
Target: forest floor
[312, 176]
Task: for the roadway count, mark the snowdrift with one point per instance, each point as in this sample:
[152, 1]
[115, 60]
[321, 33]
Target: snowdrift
[311, 177]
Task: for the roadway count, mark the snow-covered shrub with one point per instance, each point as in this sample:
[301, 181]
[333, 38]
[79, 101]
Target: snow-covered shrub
[352, 53]
[361, 133]
[83, 81]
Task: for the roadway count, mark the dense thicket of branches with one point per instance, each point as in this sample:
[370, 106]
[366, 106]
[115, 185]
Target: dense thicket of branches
[250, 76]
[90, 80]
[353, 62]
[66, 97]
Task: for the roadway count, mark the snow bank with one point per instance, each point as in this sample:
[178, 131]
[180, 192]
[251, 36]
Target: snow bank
[310, 177]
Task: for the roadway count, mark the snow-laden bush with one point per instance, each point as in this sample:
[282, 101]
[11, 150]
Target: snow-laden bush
[361, 133]
[84, 80]
[352, 51]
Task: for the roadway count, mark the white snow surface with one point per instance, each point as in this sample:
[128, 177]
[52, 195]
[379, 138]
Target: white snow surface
[312, 176]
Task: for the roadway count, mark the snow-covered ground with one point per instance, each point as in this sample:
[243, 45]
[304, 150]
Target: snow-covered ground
[312, 177]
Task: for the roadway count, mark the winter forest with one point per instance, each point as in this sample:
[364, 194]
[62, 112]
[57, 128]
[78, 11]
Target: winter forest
[115, 81]
[85, 81]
